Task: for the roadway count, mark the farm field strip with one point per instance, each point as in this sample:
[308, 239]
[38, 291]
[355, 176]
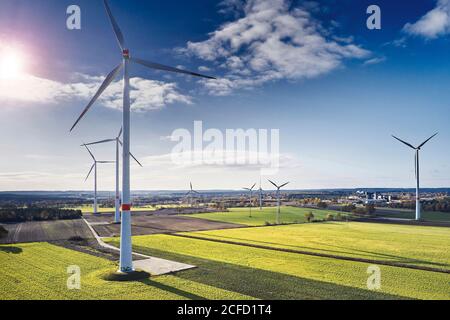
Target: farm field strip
[35, 231]
[317, 254]
[265, 216]
[414, 246]
[39, 271]
[269, 274]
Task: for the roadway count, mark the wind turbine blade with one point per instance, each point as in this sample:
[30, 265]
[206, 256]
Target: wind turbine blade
[247, 189]
[90, 171]
[106, 162]
[117, 31]
[284, 185]
[120, 142]
[195, 192]
[434, 135]
[89, 152]
[273, 183]
[408, 144]
[111, 76]
[157, 66]
[99, 142]
[120, 132]
[191, 185]
[253, 186]
[136, 160]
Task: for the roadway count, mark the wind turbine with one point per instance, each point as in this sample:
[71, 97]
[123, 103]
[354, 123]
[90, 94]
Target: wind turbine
[118, 144]
[278, 198]
[126, 259]
[260, 195]
[94, 167]
[417, 149]
[190, 193]
[251, 191]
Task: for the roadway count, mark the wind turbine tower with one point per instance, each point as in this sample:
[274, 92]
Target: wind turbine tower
[417, 171]
[250, 199]
[118, 143]
[278, 198]
[94, 167]
[126, 259]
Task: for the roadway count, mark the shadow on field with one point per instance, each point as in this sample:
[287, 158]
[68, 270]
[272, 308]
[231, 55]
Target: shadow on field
[181, 293]
[9, 249]
[258, 283]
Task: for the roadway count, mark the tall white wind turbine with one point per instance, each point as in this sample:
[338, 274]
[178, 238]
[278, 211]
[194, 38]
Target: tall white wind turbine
[94, 167]
[260, 195]
[118, 144]
[126, 259]
[250, 190]
[278, 198]
[190, 193]
[416, 163]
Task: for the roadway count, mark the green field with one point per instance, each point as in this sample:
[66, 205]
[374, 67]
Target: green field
[267, 215]
[272, 274]
[409, 245]
[408, 214]
[39, 271]
[237, 271]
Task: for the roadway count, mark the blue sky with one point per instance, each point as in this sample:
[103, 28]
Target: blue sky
[334, 89]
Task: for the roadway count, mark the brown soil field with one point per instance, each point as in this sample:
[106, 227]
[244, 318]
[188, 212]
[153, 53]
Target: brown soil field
[39, 231]
[143, 224]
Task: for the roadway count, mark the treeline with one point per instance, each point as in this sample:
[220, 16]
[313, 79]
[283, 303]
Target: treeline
[442, 205]
[368, 209]
[37, 214]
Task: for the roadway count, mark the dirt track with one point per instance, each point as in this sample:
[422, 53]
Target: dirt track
[38, 231]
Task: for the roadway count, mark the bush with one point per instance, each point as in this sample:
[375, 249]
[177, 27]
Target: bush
[3, 232]
[348, 208]
[330, 217]
[309, 216]
[339, 217]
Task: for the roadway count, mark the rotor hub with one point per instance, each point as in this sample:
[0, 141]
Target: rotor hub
[126, 53]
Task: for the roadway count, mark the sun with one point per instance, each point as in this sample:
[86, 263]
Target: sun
[11, 64]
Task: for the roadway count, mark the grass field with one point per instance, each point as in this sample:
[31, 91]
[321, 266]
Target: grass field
[39, 271]
[267, 215]
[408, 214]
[409, 245]
[272, 274]
[232, 271]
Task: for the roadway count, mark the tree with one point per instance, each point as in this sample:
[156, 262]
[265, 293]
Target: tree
[322, 205]
[309, 216]
[330, 217]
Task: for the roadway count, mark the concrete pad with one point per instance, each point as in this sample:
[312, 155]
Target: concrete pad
[152, 265]
[157, 266]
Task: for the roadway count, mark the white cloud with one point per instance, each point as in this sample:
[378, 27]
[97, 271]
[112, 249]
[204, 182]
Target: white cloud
[433, 24]
[145, 94]
[375, 60]
[269, 42]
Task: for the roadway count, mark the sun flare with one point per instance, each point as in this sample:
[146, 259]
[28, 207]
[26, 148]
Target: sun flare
[11, 64]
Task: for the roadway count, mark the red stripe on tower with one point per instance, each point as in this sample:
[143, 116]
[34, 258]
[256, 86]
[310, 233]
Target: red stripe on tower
[126, 207]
